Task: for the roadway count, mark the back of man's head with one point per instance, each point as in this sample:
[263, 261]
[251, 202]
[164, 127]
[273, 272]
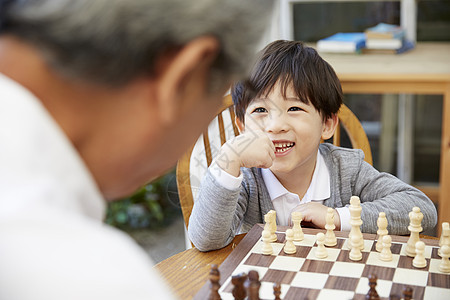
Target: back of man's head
[114, 41]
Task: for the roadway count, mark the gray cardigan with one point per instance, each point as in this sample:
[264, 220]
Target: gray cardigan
[219, 214]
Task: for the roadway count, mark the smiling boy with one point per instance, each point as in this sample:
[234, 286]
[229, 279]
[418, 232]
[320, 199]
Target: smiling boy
[290, 104]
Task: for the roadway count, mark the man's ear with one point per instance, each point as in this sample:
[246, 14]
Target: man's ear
[329, 127]
[240, 125]
[183, 76]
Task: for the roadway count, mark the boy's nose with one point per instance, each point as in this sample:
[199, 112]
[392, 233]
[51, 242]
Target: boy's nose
[276, 123]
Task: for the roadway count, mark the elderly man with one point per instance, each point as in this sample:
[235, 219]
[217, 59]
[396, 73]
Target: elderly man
[97, 97]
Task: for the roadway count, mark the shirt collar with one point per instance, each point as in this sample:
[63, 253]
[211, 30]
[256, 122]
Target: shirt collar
[319, 188]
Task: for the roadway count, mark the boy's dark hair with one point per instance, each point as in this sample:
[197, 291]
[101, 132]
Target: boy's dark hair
[290, 62]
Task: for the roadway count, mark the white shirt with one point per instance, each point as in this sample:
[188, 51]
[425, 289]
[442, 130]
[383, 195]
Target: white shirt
[53, 243]
[283, 200]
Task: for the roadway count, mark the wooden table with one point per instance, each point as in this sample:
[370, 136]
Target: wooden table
[424, 70]
[187, 271]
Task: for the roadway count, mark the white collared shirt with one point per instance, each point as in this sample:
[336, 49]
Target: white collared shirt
[53, 243]
[283, 200]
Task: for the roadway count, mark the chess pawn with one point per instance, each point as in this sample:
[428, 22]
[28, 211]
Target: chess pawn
[321, 251]
[386, 254]
[289, 248]
[297, 217]
[277, 291]
[330, 237]
[355, 252]
[415, 217]
[382, 224]
[372, 293]
[444, 267]
[267, 246]
[419, 260]
[214, 277]
[445, 236]
[239, 292]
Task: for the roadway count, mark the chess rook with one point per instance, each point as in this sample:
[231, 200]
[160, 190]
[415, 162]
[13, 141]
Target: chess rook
[296, 218]
[415, 217]
[382, 224]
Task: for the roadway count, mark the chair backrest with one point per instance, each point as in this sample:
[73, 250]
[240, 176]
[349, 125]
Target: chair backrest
[193, 164]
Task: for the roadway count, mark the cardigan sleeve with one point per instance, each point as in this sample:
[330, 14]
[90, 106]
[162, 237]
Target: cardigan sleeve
[217, 214]
[383, 192]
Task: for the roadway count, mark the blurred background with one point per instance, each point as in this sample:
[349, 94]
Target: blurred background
[404, 131]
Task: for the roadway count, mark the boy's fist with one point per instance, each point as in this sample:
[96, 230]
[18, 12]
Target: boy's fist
[249, 149]
[314, 215]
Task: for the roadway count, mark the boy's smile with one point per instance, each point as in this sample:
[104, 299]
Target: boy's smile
[282, 147]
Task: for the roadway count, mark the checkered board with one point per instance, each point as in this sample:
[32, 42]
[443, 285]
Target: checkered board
[303, 276]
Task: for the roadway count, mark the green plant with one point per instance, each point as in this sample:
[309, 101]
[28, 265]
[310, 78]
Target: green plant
[153, 205]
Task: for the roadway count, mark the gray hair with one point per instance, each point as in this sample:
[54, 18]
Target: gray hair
[113, 41]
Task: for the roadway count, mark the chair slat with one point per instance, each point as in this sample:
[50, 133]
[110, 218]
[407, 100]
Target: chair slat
[233, 117]
[207, 147]
[221, 129]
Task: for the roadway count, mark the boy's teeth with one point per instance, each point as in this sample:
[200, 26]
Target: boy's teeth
[282, 147]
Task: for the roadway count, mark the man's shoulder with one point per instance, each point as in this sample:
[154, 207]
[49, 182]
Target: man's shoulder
[71, 251]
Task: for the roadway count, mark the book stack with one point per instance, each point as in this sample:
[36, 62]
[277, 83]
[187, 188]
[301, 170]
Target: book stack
[386, 38]
[343, 42]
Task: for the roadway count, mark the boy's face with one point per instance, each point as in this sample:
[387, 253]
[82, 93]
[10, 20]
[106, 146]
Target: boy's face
[294, 127]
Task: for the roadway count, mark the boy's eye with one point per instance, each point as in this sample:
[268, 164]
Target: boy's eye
[295, 108]
[260, 110]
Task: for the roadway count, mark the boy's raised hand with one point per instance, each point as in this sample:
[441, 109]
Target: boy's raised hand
[314, 215]
[252, 148]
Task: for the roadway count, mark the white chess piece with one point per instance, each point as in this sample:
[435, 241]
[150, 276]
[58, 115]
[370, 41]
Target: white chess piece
[267, 246]
[296, 218]
[415, 217]
[355, 221]
[386, 254]
[273, 224]
[355, 252]
[445, 263]
[289, 247]
[321, 251]
[330, 237]
[382, 224]
[267, 221]
[445, 236]
[419, 260]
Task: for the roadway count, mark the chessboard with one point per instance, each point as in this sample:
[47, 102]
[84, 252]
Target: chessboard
[303, 276]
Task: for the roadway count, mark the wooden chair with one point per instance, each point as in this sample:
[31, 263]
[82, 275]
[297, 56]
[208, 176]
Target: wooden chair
[193, 165]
